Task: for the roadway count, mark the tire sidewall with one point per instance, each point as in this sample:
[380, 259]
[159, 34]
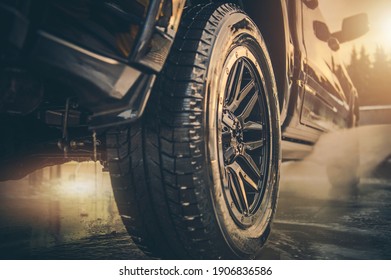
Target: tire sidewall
[237, 29]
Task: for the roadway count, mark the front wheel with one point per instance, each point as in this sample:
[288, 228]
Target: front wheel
[210, 144]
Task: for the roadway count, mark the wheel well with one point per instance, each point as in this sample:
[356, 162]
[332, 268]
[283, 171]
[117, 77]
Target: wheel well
[270, 19]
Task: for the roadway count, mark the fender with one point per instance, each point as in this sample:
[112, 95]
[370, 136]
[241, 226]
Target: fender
[272, 19]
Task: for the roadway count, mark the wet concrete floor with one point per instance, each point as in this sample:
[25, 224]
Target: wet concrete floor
[76, 218]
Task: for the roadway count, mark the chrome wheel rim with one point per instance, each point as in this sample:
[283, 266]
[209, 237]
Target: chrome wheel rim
[244, 137]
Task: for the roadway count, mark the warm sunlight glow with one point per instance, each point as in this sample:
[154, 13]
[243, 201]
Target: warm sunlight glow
[386, 33]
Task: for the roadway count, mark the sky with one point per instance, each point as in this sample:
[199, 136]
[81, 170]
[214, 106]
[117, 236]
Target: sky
[379, 12]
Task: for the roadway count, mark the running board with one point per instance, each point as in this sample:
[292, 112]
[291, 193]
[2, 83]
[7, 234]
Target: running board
[294, 151]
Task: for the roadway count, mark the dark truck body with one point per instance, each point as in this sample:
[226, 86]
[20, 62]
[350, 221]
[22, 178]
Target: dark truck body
[82, 46]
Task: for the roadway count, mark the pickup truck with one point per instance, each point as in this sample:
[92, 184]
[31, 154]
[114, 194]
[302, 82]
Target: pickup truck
[190, 105]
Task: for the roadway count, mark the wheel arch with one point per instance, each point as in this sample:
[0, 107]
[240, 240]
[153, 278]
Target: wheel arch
[271, 17]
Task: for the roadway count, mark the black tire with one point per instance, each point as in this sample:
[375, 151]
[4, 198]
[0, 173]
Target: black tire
[176, 176]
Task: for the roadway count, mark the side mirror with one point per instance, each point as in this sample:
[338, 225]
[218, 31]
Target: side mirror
[352, 28]
[322, 32]
[312, 4]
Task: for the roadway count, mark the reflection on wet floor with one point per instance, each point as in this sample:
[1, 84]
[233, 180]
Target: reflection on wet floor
[55, 206]
[353, 228]
[69, 212]
[84, 223]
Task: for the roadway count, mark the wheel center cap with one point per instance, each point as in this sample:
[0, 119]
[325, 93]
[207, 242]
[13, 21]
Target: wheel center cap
[237, 136]
[234, 126]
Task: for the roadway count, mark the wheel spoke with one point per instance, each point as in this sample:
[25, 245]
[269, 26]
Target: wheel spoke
[243, 175]
[253, 145]
[228, 121]
[244, 195]
[236, 80]
[232, 81]
[249, 107]
[229, 154]
[241, 191]
[250, 181]
[253, 126]
[241, 95]
[249, 160]
[239, 77]
[232, 186]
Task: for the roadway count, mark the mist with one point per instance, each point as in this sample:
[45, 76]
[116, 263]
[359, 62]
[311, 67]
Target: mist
[335, 155]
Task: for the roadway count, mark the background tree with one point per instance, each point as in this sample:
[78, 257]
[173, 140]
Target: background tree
[381, 77]
[372, 80]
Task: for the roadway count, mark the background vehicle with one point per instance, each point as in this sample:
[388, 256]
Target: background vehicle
[188, 104]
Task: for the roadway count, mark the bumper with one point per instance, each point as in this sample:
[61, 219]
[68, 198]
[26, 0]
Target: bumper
[110, 76]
